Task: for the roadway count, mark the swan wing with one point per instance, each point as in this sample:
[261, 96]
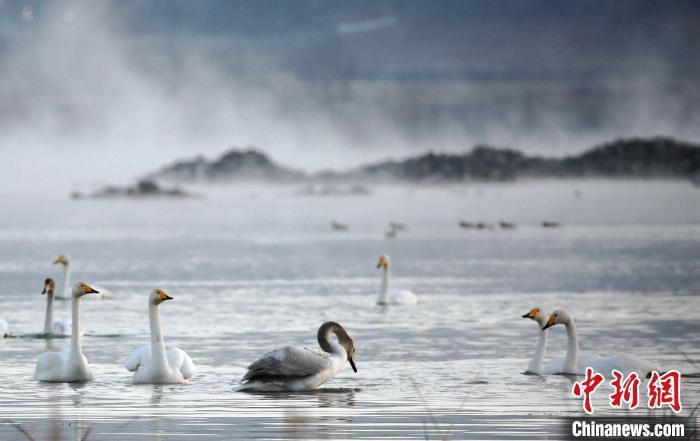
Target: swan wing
[289, 361]
[403, 296]
[135, 360]
[179, 360]
[49, 367]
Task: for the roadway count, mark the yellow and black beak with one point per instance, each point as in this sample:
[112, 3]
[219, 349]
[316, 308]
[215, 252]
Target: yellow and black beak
[352, 364]
[381, 263]
[87, 289]
[164, 296]
[551, 322]
[48, 286]
[530, 314]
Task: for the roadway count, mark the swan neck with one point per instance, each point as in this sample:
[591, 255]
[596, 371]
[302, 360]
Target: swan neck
[385, 285]
[538, 358]
[66, 281]
[157, 340]
[48, 317]
[572, 348]
[75, 334]
[326, 342]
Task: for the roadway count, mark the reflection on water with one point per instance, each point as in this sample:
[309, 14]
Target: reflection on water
[251, 275]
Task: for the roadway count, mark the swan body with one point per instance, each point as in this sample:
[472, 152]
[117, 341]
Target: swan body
[555, 365]
[294, 368]
[65, 261]
[153, 363]
[59, 328]
[623, 362]
[71, 365]
[4, 329]
[392, 296]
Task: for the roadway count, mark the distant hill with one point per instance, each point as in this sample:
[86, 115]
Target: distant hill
[234, 165]
[626, 158]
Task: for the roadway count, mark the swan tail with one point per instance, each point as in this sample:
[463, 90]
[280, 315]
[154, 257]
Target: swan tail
[134, 361]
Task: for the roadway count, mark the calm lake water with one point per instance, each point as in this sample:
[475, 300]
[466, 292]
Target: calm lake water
[252, 269]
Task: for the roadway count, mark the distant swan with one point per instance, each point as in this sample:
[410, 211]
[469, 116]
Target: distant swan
[4, 329]
[393, 297]
[295, 368]
[623, 362]
[554, 366]
[64, 260]
[153, 363]
[59, 328]
[71, 365]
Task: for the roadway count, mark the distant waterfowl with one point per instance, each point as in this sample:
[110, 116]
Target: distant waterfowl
[397, 226]
[391, 234]
[622, 362]
[548, 224]
[60, 328]
[483, 226]
[4, 329]
[467, 225]
[71, 365]
[396, 296]
[339, 226]
[294, 368]
[153, 363]
[64, 260]
[506, 225]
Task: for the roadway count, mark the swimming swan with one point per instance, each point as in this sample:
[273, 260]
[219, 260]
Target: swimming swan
[554, 366]
[623, 362]
[71, 365]
[295, 368]
[393, 297]
[153, 363]
[59, 328]
[4, 329]
[64, 260]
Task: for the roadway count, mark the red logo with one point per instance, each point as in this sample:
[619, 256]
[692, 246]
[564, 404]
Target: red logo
[586, 388]
[627, 390]
[665, 389]
[661, 390]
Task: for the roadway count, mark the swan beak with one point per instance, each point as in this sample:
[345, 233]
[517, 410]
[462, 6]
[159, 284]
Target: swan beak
[530, 314]
[352, 364]
[163, 296]
[381, 263]
[87, 289]
[551, 322]
[48, 287]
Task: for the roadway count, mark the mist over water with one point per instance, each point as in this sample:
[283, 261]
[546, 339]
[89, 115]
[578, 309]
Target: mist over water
[98, 92]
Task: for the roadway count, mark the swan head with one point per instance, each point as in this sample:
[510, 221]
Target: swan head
[384, 261]
[49, 286]
[158, 296]
[537, 314]
[558, 317]
[62, 260]
[343, 339]
[82, 288]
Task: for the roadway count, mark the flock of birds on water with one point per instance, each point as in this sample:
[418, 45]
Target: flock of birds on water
[289, 368]
[394, 228]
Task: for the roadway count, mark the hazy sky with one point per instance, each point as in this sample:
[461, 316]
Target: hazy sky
[106, 91]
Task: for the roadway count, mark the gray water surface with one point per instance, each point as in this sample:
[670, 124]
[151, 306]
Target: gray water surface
[252, 269]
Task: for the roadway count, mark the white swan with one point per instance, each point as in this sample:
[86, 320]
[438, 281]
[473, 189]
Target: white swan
[4, 329]
[59, 328]
[153, 363]
[295, 368]
[393, 297]
[623, 362]
[64, 260]
[554, 366]
[71, 365]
